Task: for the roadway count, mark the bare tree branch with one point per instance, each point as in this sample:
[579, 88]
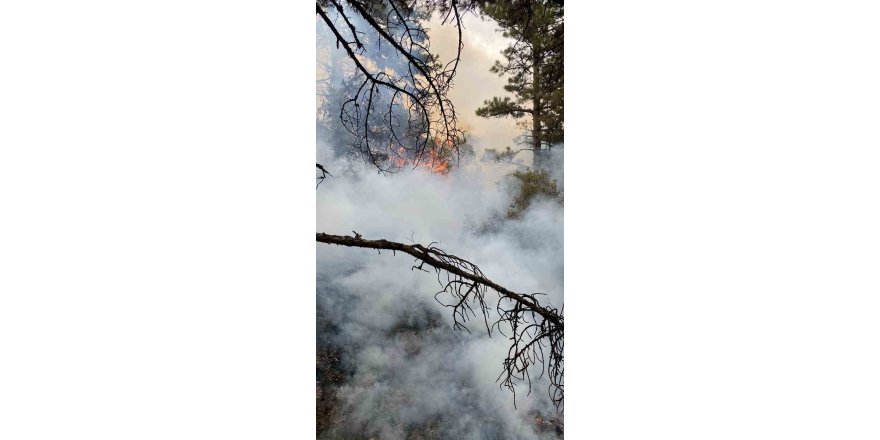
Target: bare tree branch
[536, 330]
[324, 174]
[401, 113]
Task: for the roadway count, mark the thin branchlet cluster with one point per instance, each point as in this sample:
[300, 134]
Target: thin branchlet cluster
[534, 342]
[397, 112]
[535, 331]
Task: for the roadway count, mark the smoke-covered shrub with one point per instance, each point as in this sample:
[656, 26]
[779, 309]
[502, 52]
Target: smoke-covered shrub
[529, 186]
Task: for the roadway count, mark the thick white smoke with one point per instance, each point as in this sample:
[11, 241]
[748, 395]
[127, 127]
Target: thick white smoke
[406, 370]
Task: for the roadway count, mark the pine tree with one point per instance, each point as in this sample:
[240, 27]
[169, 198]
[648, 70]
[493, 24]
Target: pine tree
[533, 64]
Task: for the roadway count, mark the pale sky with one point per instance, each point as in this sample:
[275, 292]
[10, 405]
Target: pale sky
[474, 83]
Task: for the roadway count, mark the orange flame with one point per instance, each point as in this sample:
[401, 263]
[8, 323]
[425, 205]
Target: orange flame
[437, 159]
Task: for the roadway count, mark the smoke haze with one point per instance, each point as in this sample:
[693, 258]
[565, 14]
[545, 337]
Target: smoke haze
[408, 370]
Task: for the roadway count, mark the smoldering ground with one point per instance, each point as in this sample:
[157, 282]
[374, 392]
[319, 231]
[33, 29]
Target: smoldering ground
[392, 365]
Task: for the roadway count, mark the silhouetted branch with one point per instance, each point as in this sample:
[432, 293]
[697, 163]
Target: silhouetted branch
[536, 330]
[400, 114]
[324, 174]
